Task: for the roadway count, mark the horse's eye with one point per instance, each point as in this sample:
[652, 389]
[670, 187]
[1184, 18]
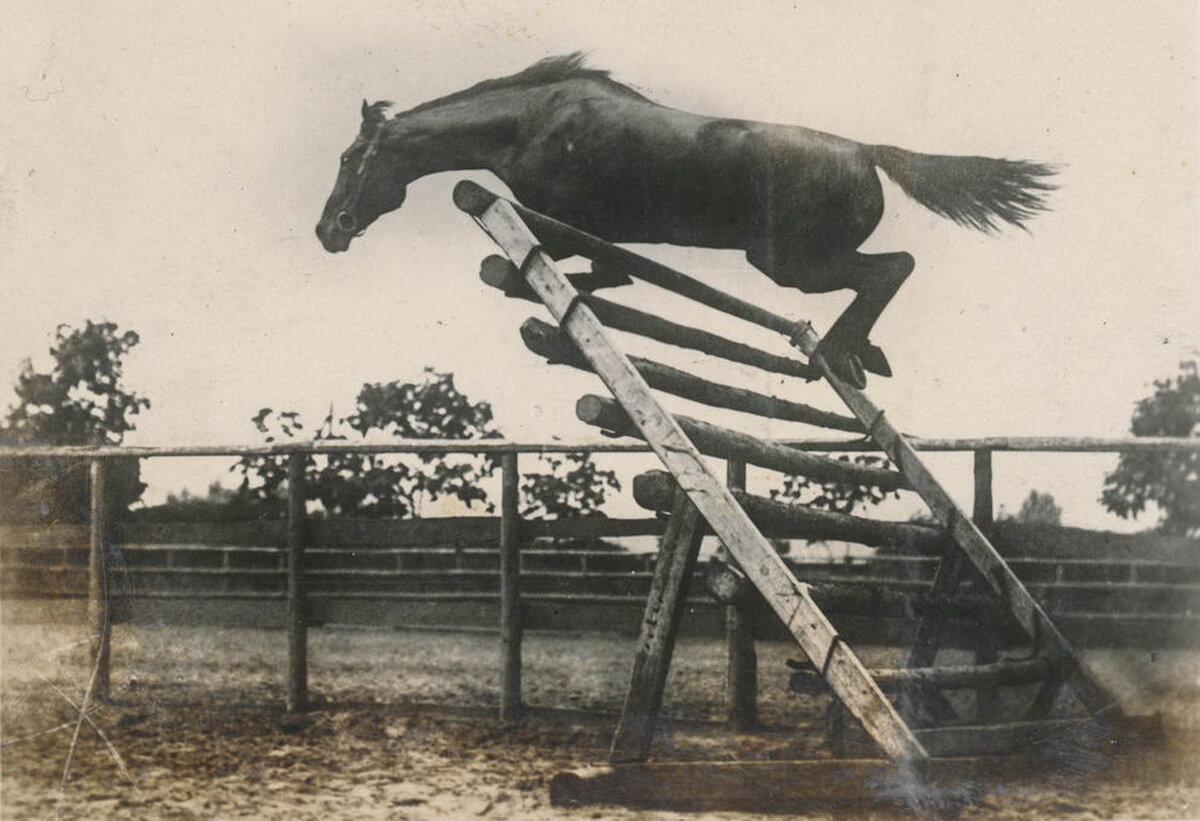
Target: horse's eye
[345, 160]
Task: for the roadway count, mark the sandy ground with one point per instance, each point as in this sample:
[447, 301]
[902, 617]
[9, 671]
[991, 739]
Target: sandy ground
[197, 729]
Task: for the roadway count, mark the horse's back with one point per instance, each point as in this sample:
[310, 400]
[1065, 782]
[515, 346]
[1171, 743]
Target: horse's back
[634, 171]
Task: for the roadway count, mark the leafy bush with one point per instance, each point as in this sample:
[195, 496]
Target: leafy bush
[1168, 480]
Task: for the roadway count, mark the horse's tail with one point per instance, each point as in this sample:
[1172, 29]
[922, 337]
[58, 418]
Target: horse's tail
[972, 191]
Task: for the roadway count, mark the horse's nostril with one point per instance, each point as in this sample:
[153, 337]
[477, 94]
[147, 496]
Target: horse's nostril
[346, 221]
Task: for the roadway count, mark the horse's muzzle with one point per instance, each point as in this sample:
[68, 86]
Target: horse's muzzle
[332, 237]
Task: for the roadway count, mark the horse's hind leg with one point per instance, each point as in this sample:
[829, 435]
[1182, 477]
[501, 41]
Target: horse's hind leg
[880, 279]
[875, 278]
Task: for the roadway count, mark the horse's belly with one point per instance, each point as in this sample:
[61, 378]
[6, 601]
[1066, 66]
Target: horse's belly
[646, 206]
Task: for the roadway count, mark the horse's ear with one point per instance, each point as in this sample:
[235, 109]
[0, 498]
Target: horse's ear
[375, 112]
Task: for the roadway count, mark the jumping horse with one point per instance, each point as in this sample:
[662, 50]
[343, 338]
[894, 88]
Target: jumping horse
[571, 142]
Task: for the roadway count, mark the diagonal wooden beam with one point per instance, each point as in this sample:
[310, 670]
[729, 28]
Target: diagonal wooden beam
[966, 534]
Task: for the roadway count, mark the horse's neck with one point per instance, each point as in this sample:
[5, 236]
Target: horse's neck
[467, 134]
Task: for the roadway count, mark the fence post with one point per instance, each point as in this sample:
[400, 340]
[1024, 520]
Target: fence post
[297, 677]
[987, 699]
[742, 678]
[510, 589]
[99, 581]
[982, 510]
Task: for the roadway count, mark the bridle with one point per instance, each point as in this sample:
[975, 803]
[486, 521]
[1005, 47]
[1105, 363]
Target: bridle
[345, 219]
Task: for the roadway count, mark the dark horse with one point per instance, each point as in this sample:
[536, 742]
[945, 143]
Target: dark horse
[578, 146]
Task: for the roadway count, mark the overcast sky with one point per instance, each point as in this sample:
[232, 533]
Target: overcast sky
[165, 165]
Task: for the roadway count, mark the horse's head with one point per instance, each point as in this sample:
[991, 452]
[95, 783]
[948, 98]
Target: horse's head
[368, 183]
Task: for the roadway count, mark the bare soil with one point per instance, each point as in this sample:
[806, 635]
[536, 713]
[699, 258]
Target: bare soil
[403, 726]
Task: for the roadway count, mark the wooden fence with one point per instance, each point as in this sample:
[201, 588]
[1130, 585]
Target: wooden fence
[498, 572]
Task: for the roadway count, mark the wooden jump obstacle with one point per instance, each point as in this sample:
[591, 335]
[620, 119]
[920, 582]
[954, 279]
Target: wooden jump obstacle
[920, 732]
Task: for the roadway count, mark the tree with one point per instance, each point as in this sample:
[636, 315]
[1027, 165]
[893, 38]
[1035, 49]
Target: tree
[1039, 508]
[572, 488]
[835, 496]
[379, 485]
[1168, 480]
[80, 401]
[370, 485]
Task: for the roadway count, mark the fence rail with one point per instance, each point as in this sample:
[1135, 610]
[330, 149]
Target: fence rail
[1028, 444]
[488, 569]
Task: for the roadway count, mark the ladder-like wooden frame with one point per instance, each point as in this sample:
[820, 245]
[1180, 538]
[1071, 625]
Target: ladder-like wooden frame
[703, 496]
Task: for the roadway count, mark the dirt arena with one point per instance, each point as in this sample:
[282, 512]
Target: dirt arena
[196, 728]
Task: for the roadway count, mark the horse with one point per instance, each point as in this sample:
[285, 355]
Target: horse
[578, 146]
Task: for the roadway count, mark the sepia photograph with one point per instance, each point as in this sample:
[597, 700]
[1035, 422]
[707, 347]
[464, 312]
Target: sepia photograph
[539, 410]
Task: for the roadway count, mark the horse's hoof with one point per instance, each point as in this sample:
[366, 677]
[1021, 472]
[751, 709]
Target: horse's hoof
[845, 361]
[849, 368]
[873, 360]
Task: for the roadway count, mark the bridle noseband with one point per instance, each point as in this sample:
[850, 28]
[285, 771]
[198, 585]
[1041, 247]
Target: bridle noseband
[345, 219]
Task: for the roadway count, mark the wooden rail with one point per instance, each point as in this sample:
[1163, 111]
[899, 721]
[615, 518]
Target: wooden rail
[1025, 444]
[715, 440]
[547, 341]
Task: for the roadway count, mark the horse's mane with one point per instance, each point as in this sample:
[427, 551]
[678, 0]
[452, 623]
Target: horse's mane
[543, 72]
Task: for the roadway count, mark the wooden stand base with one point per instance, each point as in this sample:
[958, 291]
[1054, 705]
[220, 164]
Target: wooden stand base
[787, 786]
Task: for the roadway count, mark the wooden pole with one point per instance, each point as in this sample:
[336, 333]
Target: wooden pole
[631, 320]
[724, 443]
[660, 625]
[500, 273]
[297, 679]
[1024, 671]
[653, 490]
[742, 681]
[99, 599]
[987, 698]
[510, 590]
[1024, 444]
[546, 340]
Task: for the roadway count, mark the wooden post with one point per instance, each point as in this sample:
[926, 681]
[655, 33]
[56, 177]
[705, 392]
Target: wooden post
[297, 678]
[510, 590]
[742, 681]
[987, 699]
[982, 510]
[99, 600]
[660, 625]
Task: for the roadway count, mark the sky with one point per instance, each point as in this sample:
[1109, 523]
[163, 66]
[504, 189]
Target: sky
[165, 165]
